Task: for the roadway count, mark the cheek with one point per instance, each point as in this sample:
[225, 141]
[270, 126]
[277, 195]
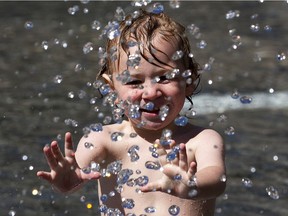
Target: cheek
[128, 94]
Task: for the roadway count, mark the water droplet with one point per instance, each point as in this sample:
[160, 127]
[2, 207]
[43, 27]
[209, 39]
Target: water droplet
[192, 193]
[114, 167]
[171, 156]
[281, 56]
[166, 137]
[128, 203]
[88, 47]
[82, 199]
[119, 14]
[96, 25]
[232, 14]
[140, 3]
[133, 135]
[73, 10]
[117, 136]
[150, 209]
[177, 177]
[97, 127]
[223, 178]
[272, 192]
[104, 197]
[174, 210]
[187, 73]
[123, 176]
[133, 153]
[58, 79]
[267, 28]
[149, 106]
[134, 111]
[163, 112]
[254, 27]
[88, 145]
[105, 89]
[142, 180]
[78, 68]
[28, 25]
[111, 30]
[246, 100]
[177, 55]
[235, 94]
[103, 208]
[156, 8]
[247, 182]
[94, 167]
[152, 165]
[134, 60]
[230, 131]
[45, 45]
[12, 213]
[202, 44]
[24, 157]
[181, 121]
[174, 4]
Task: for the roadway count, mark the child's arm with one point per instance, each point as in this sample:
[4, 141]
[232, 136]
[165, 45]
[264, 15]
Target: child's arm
[204, 180]
[65, 174]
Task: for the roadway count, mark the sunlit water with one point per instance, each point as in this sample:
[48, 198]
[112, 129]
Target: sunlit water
[49, 59]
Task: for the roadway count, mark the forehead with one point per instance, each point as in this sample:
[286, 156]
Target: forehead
[159, 52]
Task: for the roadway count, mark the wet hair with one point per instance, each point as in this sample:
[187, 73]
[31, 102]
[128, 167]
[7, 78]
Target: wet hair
[142, 29]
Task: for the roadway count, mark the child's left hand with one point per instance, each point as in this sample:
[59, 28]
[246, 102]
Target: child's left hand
[177, 177]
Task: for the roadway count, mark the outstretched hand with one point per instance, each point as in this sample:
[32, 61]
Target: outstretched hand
[65, 174]
[178, 178]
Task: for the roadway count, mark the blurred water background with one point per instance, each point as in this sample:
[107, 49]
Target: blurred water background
[46, 85]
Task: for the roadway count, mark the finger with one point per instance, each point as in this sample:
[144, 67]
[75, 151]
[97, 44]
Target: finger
[69, 149]
[153, 186]
[183, 163]
[57, 152]
[192, 169]
[45, 175]
[51, 160]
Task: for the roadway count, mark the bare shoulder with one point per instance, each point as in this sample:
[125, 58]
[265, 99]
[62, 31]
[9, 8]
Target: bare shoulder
[209, 134]
[205, 138]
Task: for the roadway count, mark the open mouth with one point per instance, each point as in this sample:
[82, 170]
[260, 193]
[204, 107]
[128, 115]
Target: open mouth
[154, 111]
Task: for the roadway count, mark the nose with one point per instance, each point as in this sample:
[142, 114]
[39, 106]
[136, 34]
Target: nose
[151, 91]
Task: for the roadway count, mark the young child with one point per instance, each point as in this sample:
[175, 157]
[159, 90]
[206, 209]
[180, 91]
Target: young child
[155, 162]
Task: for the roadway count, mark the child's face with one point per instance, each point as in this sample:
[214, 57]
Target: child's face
[149, 88]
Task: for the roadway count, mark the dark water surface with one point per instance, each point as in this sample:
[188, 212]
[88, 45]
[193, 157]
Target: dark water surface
[45, 90]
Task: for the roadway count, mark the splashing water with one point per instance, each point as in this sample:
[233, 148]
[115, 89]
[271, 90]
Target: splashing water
[123, 176]
[152, 165]
[156, 8]
[166, 138]
[163, 113]
[133, 153]
[150, 209]
[114, 167]
[177, 55]
[174, 210]
[272, 192]
[142, 180]
[181, 121]
[117, 136]
[128, 203]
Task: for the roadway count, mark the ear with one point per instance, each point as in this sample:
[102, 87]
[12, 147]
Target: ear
[107, 79]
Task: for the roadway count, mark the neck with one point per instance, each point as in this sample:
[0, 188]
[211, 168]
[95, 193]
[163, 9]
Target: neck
[151, 135]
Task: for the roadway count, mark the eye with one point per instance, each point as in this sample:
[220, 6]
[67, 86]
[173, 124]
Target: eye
[134, 83]
[163, 79]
